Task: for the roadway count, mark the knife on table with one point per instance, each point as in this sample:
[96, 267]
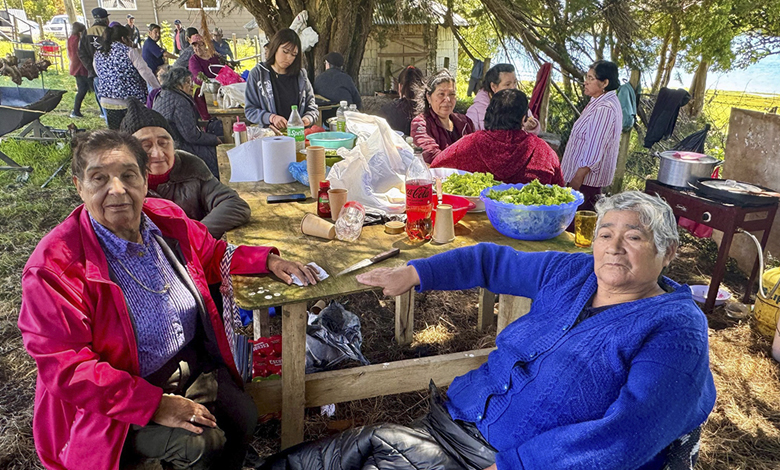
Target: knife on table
[370, 261]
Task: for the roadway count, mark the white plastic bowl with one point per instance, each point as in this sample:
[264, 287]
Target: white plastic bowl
[700, 294]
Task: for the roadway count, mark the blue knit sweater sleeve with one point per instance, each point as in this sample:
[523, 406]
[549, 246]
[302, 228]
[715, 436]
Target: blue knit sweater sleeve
[668, 376]
[500, 269]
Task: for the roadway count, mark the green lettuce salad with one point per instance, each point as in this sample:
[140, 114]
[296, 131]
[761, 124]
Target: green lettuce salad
[534, 194]
[469, 184]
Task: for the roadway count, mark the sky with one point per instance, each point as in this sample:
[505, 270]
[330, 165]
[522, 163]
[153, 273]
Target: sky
[758, 78]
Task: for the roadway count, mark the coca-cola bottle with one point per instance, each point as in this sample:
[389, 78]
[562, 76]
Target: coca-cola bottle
[419, 199]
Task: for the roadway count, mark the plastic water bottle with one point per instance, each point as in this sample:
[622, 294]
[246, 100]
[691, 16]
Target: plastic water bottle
[353, 107]
[350, 222]
[295, 129]
[341, 119]
[419, 199]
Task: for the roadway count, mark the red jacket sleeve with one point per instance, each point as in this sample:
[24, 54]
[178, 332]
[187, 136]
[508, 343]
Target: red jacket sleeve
[453, 156]
[246, 259]
[423, 140]
[57, 332]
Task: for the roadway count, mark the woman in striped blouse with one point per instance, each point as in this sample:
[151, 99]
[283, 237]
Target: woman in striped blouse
[590, 158]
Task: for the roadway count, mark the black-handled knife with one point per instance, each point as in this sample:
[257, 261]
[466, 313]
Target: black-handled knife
[368, 262]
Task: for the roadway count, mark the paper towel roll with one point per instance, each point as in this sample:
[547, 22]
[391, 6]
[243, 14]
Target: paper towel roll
[278, 153]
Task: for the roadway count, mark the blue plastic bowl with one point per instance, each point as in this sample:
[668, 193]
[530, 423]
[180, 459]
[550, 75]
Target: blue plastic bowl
[529, 222]
[332, 140]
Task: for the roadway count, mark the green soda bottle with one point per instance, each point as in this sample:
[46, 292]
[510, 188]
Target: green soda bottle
[295, 129]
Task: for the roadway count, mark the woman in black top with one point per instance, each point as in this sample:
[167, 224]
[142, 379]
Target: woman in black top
[400, 112]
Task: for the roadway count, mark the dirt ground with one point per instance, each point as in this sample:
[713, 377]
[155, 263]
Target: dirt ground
[743, 431]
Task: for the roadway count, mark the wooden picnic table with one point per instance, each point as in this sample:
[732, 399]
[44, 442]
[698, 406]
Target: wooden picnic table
[279, 225]
[228, 117]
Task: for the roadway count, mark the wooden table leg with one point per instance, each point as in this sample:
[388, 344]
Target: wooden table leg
[260, 324]
[485, 313]
[510, 308]
[227, 129]
[720, 269]
[293, 373]
[404, 318]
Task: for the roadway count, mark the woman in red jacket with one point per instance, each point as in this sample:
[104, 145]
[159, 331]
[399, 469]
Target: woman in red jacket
[77, 69]
[504, 148]
[438, 126]
[132, 354]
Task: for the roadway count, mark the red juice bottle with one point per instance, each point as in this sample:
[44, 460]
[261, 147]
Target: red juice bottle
[419, 199]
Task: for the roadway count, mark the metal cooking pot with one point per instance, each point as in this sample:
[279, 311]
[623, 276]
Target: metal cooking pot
[676, 171]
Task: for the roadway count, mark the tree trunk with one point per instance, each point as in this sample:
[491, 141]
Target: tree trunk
[70, 10]
[661, 62]
[343, 26]
[698, 87]
[672, 60]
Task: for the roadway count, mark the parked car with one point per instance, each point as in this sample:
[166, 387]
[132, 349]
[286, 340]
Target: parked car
[59, 26]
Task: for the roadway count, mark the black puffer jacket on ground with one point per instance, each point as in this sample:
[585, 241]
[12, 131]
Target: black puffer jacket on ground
[202, 197]
[180, 111]
[436, 442]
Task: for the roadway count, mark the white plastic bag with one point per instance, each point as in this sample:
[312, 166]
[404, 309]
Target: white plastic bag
[373, 172]
[308, 36]
[232, 96]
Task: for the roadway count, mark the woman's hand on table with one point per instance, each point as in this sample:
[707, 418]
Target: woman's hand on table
[306, 121]
[176, 411]
[393, 281]
[278, 121]
[284, 270]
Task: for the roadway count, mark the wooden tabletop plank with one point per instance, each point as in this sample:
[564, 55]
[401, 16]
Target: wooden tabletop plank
[279, 225]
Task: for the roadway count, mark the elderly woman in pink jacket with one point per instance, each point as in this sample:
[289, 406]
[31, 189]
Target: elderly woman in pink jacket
[132, 354]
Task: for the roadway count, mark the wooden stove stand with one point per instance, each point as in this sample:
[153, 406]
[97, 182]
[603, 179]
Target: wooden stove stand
[721, 216]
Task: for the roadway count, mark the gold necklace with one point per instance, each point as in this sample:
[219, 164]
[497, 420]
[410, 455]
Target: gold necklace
[165, 287]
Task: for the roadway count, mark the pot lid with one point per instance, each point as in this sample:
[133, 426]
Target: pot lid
[688, 157]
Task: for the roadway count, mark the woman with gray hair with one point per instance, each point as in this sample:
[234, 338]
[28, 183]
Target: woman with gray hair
[607, 370]
[175, 103]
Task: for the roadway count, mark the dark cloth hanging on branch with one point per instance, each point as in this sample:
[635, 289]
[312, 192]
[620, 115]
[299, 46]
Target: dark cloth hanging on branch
[665, 112]
[475, 79]
[542, 82]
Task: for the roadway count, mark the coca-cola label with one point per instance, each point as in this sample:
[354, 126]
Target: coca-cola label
[418, 195]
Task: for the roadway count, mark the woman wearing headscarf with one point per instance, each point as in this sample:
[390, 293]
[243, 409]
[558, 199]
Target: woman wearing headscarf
[201, 63]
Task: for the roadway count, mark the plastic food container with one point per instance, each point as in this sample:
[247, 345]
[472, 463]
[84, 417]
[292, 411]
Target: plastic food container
[529, 222]
[332, 140]
[700, 294]
[460, 205]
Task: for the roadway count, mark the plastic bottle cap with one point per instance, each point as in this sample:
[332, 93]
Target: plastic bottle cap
[343, 103]
[325, 184]
[239, 127]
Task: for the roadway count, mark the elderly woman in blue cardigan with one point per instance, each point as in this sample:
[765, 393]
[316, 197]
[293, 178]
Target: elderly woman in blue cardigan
[608, 368]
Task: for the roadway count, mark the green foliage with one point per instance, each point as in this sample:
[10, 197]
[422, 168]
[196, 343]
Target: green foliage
[166, 36]
[46, 9]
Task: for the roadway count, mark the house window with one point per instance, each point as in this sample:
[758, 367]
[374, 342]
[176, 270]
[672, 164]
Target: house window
[198, 4]
[118, 4]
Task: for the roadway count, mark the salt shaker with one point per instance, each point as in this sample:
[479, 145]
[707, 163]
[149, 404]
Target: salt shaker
[350, 222]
